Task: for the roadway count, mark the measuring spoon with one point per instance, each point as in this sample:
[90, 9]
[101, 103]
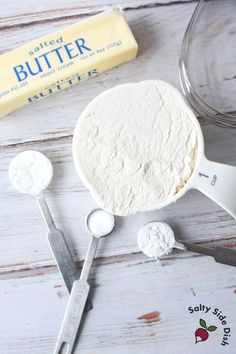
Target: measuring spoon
[99, 223]
[220, 254]
[26, 181]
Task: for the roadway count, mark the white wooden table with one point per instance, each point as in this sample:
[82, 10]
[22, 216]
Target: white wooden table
[126, 286]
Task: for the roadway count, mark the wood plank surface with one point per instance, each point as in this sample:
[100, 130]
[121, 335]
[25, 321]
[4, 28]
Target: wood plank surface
[122, 293]
[15, 13]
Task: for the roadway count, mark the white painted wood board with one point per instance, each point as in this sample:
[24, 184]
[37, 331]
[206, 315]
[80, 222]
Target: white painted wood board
[122, 292]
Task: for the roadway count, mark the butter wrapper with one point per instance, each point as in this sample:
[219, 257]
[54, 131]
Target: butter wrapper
[59, 60]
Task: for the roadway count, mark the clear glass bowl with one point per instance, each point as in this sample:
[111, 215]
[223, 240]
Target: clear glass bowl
[208, 61]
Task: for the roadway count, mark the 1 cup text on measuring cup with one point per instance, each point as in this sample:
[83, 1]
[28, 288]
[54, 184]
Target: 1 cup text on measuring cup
[213, 179]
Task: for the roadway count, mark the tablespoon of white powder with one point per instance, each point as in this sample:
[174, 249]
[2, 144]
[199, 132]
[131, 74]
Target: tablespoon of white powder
[30, 172]
[156, 239]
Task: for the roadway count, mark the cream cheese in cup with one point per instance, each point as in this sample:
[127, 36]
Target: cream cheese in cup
[94, 133]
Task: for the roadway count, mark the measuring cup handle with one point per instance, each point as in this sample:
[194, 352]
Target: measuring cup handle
[218, 182]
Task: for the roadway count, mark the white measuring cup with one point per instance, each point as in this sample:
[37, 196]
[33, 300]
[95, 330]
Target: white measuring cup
[215, 180]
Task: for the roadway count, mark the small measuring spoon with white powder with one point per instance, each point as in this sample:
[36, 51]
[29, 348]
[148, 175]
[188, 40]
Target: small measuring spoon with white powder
[156, 239]
[31, 172]
[99, 224]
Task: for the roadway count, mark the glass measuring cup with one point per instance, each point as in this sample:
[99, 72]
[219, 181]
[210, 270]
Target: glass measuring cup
[207, 61]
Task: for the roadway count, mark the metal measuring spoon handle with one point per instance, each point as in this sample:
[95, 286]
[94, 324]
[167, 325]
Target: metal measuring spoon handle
[179, 245]
[220, 254]
[59, 247]
[225, 255]
[76, 304]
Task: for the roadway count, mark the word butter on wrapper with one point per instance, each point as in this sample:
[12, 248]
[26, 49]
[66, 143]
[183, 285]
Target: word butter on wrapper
[64, 58]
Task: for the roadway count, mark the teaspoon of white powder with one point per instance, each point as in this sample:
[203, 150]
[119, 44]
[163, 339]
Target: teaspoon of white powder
[156, 239]
[30, 172]
[100, 223]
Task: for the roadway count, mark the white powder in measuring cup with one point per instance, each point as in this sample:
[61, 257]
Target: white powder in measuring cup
[155, 239]
[30, 172]
[100, 223]
[135, 146]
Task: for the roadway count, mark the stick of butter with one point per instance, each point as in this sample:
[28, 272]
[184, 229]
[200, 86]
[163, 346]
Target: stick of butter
[64, 58]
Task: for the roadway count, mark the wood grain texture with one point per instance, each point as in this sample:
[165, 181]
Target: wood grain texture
[14, 13]
[126, 286]
[122, 293]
